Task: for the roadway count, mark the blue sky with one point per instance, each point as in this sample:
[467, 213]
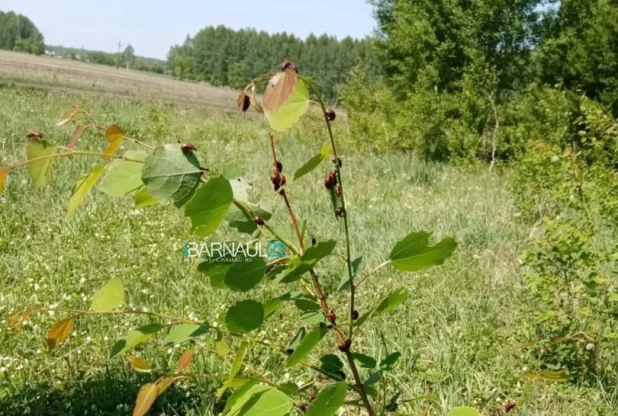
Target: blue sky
[153, 26]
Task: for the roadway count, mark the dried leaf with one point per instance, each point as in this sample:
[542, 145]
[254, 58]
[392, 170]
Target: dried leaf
[243, 102]
[3, 175]
[76, 135]
[59, 332]
[145, 398]
[185, 360]
[16, 320]
[139, 364]
[279, 89]
[68, 116]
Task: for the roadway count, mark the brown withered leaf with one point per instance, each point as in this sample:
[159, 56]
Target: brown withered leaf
[185, 360]
[3, 175]
[76, 136]
[16, 320]
[139, 364]
[145, 398]
[59, 332]
[278, 90]
[243, 102]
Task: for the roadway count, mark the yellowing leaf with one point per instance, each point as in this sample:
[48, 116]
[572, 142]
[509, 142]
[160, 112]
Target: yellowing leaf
[59, 332]
[68, 116]
[39, 170]
[83, 187]
[185, 360]
[109, 297]
[3, 175]
[16, 320]
[139, 364]
[222, 349]
[114, 136]
[553, 376]
[163, 384]
[145, 398]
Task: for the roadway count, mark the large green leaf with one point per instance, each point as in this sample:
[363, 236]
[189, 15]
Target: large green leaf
[124, 176]
[286, 115]
[308, 260]
[109, 297]
[171, 174]
[216, 268]
[259, 400]
[134, 338]
[313, 163]
[306, 345]
[209, 206]
[183, 333]
[83, 186]
[414, 253]
[245, 275]
[40, 170]
[244, 316]
[328, 401]
[463, 411]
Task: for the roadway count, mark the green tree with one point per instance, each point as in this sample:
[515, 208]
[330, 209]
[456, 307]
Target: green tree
[17, 32]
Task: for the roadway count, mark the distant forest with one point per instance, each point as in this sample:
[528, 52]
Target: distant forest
[218, 55]
[18, 33]
[227, 57]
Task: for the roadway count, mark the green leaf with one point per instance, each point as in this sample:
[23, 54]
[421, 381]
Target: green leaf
[134, 338]
[261, 400]
[237, 395]
[390, 362]
[124, 176]
[39, 171]
[390, 302]
[373, 378]
[244, 316]
[271, 306]
[463, 411]
[236, 366]
[306, 345]
[216, 268]
[293, 108]
[365, 360]
[245, 275]
[553, 376]
[183, 333]
[313, 163]
[171, 174]
[344, 284]
[308, 260]
[209, 206]
[243, 221]
[297, 340]
[82, 188]
[109, 297]
[414, 253]
[328, 401]
[387, 304]
[143, 198]
[331, 363]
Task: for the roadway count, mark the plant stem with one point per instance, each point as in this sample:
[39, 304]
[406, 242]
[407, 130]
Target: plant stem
[318, 287]
[71, 153]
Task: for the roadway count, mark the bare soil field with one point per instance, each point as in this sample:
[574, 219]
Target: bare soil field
[67, 75]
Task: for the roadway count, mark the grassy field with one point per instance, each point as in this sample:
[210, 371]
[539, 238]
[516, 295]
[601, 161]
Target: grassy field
[459, 332]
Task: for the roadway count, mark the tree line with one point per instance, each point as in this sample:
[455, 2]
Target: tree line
[18, 33]
[225, 57]
[460, 79]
